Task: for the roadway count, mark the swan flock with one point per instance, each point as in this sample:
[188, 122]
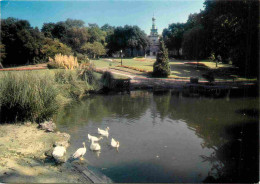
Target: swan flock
[94, 146]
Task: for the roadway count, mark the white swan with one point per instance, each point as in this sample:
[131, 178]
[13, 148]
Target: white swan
[93, 138]
[58, 152]
[80, 152]
[95, 146]
[103, 132]
[115, 143]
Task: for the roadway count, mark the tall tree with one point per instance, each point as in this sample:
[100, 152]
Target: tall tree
[127, 37]
[96, 34]
[173, 36]
[194, 45]
[76, 38]
[93, 50]
[47, 29]
[2, 53]
[233, 28]
[74, 23]
[22, 42]
[52, 47]
[195, 38]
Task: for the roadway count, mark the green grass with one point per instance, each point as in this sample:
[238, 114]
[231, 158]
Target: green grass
[180, 70]
[27, 97]
[101, 63]
[37, 95]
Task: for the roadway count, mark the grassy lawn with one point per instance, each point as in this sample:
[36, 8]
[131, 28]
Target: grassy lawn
[146, 65]
[180, 69]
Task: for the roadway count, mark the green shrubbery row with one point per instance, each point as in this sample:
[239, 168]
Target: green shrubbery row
[34, 96]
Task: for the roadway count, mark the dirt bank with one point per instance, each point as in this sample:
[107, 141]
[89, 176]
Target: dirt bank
[23, 160]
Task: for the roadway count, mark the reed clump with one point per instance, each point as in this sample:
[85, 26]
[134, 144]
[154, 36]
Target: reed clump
[27, 97]
[75, 84]
[37, 95]
[63, 61]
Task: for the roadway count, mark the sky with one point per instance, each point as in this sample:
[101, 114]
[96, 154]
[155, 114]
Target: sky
[115, 13]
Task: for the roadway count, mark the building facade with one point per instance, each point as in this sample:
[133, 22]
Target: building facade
[153, 40]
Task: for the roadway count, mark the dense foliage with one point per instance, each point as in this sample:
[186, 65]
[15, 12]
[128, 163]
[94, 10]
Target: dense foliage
[127, 37]
[227, 29]
[51, 47]
[22, 42]
[233, 32]
[93, 49]
[173, 36]
[161, 67]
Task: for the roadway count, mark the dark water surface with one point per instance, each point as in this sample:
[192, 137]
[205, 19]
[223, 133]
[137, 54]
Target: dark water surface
[168, 138]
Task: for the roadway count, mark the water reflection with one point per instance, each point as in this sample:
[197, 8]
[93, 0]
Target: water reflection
[169, 138]
[97, 108]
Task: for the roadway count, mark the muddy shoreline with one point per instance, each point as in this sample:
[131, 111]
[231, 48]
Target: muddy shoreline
[23, 158]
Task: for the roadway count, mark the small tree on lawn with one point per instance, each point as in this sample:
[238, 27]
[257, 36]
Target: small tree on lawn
[161, 67]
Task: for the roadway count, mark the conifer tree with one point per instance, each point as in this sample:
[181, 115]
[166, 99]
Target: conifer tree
[161, 67]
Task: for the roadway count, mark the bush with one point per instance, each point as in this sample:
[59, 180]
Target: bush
[82, 58]
[106, 79]
[75, 84]
[65, 77]
[161, 67]
[63, 61]
[27, 97]
[86, 73]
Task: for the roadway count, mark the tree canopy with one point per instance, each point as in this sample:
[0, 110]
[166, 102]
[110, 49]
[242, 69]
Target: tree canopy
[127, 37]
[229, 29]
[52, 47]
[22, 42]
[173, 36]
[94, 50]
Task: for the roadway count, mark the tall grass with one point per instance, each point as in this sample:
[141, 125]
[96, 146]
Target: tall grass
[75, 84]
[37, 95]
[27, 97]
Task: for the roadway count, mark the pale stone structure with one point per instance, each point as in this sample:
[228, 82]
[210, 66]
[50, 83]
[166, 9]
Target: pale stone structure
[153, 40]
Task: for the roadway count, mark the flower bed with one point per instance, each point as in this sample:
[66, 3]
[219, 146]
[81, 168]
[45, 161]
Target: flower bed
[21, 69]
[133, 68]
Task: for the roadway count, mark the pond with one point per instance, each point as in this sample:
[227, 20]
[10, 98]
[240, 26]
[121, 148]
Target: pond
[168, 138]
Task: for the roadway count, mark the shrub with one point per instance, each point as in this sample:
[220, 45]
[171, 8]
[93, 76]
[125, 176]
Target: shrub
[27, 97]
[106, 79]
[65, 77]
[161, 67]
[82, 58]
[75, 84]
[87, 73]
[63, 61]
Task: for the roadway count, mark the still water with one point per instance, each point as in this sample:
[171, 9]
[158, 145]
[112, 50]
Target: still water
[168, 138]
